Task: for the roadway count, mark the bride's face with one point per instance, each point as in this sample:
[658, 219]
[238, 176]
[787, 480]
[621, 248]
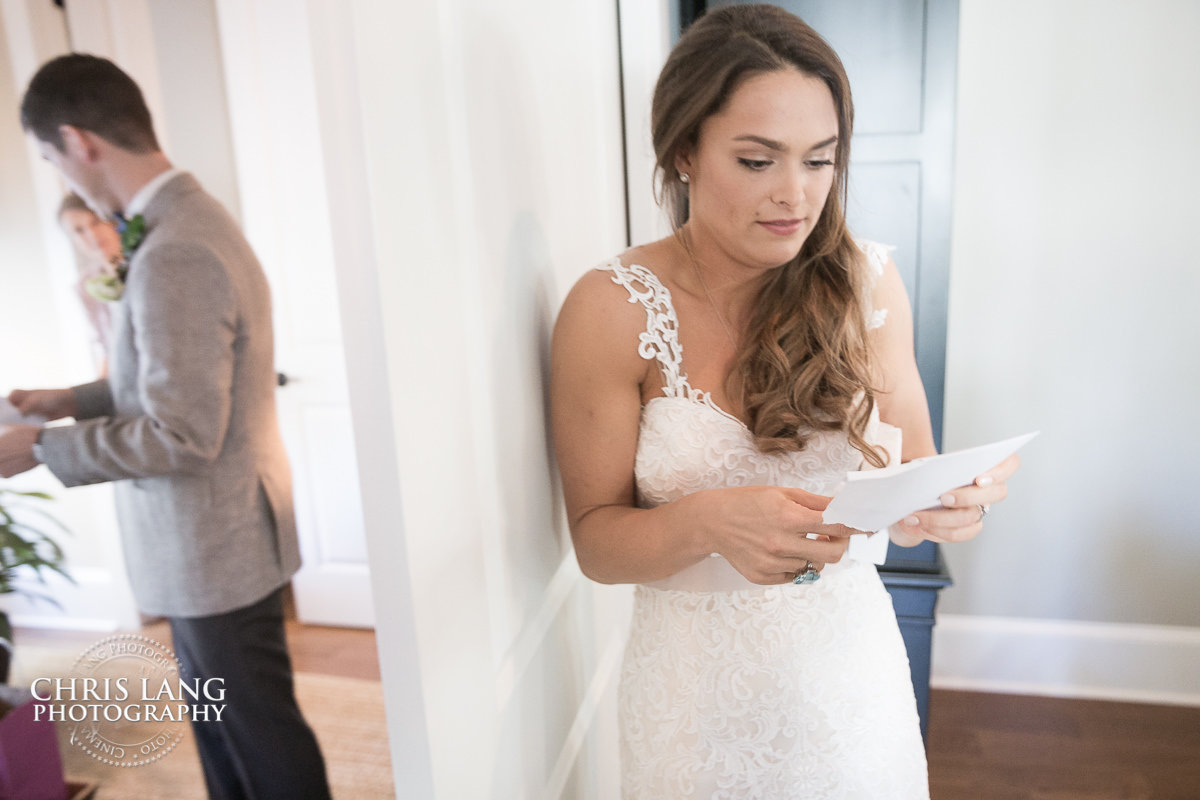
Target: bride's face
[762, 169]
[93, 237]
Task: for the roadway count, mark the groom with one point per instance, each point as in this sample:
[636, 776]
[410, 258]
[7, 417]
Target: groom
[185, 424]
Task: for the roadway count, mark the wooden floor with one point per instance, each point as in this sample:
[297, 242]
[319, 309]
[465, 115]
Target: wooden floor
[1002, 747]
[345, 652]
[981, 746]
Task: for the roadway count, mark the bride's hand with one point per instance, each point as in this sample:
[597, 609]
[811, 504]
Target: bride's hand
[762, 531]
[962, 512]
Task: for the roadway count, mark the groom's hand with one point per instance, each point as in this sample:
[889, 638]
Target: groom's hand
[16, 449]
[49, 403]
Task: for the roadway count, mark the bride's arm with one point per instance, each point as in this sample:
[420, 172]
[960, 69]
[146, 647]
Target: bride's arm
[901, 397]
[596, 379]
[902, 403]
[595, 399]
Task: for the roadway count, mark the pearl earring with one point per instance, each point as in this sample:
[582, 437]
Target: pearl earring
[683, 177]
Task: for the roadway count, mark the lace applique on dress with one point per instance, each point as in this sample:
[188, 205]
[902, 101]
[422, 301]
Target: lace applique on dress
[660, 340]
[877, 257]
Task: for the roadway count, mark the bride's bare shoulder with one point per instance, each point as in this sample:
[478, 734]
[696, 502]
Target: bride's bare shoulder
[601, 304]
[622, 275]
[603, 318]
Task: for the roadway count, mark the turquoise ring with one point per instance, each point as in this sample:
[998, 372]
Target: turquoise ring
[807, 575]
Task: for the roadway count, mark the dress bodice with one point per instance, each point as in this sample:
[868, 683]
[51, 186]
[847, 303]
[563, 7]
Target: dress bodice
[730, 689]
[687, 443]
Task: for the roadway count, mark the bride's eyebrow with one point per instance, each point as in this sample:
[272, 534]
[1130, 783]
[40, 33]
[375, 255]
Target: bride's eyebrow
[772, 144]
[821, 145]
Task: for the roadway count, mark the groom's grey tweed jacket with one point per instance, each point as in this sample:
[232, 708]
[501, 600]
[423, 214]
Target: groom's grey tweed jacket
[186, 421]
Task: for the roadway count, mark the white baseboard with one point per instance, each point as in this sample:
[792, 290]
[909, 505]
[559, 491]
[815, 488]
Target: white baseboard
[47, 623]
[1063, 658]
[94, 602]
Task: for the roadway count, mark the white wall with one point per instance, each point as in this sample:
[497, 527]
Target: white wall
[44, 338]
[171, 49]
[489, 149]
[195, 109]
[1074, 283]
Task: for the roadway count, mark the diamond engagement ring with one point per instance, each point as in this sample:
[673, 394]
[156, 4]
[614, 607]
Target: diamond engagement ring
[807, 575]
[984, 508]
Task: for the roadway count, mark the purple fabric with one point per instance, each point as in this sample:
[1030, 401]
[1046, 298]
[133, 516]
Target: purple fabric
[30, 767]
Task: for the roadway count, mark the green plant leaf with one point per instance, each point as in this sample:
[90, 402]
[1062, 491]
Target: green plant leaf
[26, 548]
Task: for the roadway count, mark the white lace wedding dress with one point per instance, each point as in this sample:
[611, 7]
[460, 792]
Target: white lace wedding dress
[733, 691]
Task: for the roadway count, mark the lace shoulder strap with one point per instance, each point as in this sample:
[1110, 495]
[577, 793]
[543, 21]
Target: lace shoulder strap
[876, 258]
[660, 340]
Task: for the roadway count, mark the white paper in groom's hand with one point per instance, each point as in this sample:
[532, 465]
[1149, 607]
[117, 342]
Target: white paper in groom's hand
[874, 499]
[10, 416]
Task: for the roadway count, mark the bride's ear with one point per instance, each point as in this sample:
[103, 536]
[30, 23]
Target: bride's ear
[683, 164]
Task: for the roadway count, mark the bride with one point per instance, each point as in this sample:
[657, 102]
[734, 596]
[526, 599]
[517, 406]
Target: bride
[710, 390]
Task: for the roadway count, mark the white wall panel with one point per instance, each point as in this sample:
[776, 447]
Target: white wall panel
[492, 140]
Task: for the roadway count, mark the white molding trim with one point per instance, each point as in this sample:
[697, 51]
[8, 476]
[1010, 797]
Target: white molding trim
[582, 724]
[645, 43]
[529, 640]
[1066, 658]
[86, 624]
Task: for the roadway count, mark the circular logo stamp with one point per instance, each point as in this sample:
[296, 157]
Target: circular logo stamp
[124, 701]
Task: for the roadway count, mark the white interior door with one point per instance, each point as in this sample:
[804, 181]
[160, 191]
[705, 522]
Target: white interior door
[267, 57]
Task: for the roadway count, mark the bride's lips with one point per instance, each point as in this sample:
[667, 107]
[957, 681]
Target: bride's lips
[783, 227]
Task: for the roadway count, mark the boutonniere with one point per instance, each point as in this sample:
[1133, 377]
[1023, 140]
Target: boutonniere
[109, 286]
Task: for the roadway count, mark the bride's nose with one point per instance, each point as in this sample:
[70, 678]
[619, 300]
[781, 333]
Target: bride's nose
[789, 191]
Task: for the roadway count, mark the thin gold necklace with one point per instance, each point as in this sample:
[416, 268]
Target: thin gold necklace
[696, 265]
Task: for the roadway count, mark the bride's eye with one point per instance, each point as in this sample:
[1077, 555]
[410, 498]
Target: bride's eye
[818, 163]
[754, 164]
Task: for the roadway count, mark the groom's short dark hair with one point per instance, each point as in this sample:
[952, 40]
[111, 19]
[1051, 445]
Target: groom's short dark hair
[92, 94]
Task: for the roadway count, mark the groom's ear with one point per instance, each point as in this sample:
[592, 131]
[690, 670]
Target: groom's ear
[80, 143]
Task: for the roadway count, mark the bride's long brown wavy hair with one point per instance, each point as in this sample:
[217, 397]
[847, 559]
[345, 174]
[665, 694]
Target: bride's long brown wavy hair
[804, 364]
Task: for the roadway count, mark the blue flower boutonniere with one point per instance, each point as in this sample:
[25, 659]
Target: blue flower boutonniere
[110, 286]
